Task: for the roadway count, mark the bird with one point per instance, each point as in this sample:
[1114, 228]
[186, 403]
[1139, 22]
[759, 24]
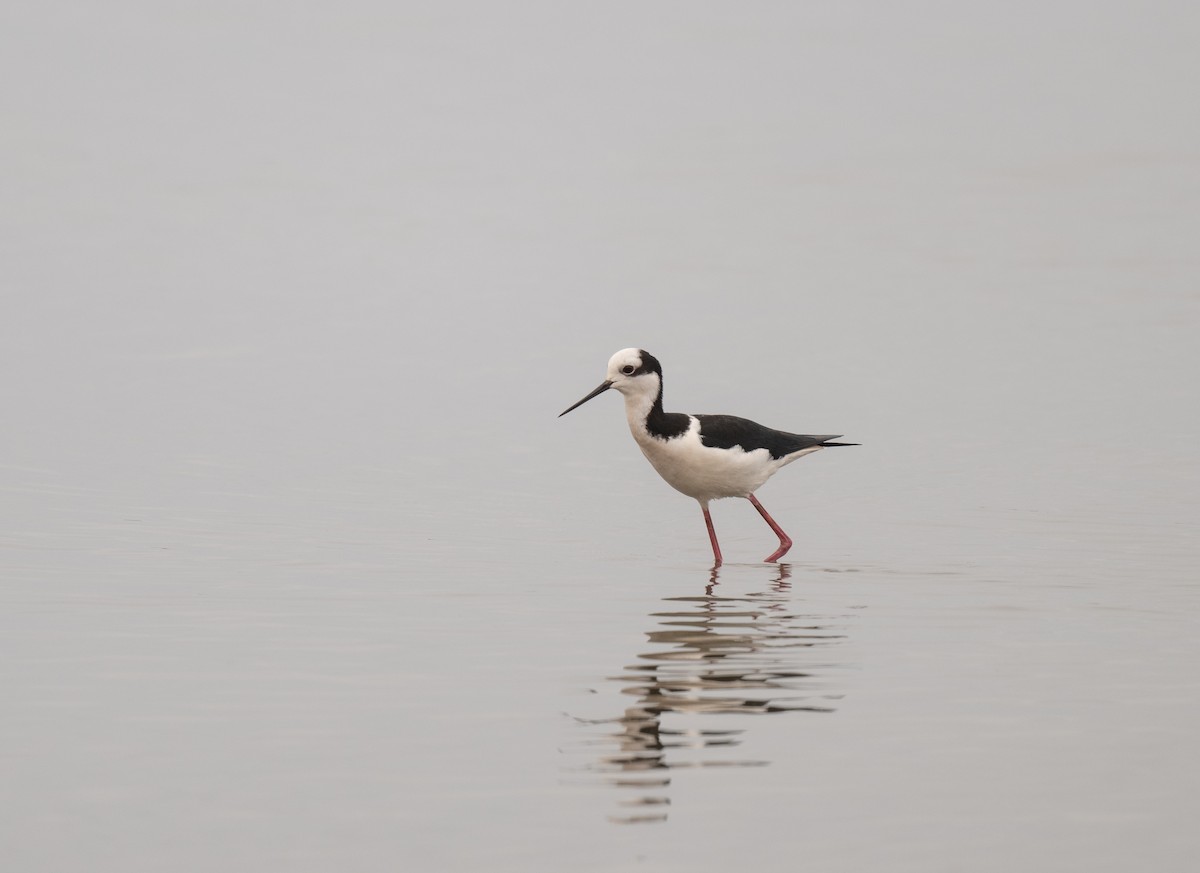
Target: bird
[706, 457]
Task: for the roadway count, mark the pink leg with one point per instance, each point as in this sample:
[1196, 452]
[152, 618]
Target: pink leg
[712, 536]
[785, 542]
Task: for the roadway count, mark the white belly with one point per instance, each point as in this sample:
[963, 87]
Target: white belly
[706, 473]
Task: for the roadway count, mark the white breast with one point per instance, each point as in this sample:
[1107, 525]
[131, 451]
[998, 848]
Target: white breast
[702, 472]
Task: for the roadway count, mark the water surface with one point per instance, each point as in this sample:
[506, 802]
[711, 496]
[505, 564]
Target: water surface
[298, 570]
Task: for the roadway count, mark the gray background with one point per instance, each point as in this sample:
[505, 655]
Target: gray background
[300, 571]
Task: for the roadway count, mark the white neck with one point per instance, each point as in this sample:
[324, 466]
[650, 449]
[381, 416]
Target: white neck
[638, 404]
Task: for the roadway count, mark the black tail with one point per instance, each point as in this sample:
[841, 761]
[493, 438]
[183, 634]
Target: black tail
[827, 443]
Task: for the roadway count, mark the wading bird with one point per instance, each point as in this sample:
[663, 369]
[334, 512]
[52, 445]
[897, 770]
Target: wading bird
[706, 457]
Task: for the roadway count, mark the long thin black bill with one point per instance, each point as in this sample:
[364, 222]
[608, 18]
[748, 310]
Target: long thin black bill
[604, 386]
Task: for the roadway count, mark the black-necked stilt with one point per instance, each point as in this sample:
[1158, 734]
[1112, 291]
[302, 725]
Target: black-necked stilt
[707, 457]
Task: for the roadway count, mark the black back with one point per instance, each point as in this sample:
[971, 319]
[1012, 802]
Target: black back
[724, 431]
[727, 431]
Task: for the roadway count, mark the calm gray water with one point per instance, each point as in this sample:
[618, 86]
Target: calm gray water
[299, 571]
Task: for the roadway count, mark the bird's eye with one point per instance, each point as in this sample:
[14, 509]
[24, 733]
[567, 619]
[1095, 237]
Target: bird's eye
[628, 369]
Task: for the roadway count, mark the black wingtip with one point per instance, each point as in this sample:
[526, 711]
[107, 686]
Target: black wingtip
[827, 443]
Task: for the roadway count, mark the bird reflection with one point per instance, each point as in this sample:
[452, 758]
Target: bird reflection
[712, 654]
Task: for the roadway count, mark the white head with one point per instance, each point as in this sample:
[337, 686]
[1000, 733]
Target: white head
[634, 372]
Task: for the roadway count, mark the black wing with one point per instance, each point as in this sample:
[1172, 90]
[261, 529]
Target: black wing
[727, 431]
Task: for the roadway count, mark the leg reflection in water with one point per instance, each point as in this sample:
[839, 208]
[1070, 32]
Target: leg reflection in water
[715, 654]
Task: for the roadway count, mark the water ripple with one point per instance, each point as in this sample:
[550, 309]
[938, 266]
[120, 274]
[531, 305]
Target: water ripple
[710, 655]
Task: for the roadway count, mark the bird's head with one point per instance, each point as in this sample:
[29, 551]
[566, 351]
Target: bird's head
[634, 372]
